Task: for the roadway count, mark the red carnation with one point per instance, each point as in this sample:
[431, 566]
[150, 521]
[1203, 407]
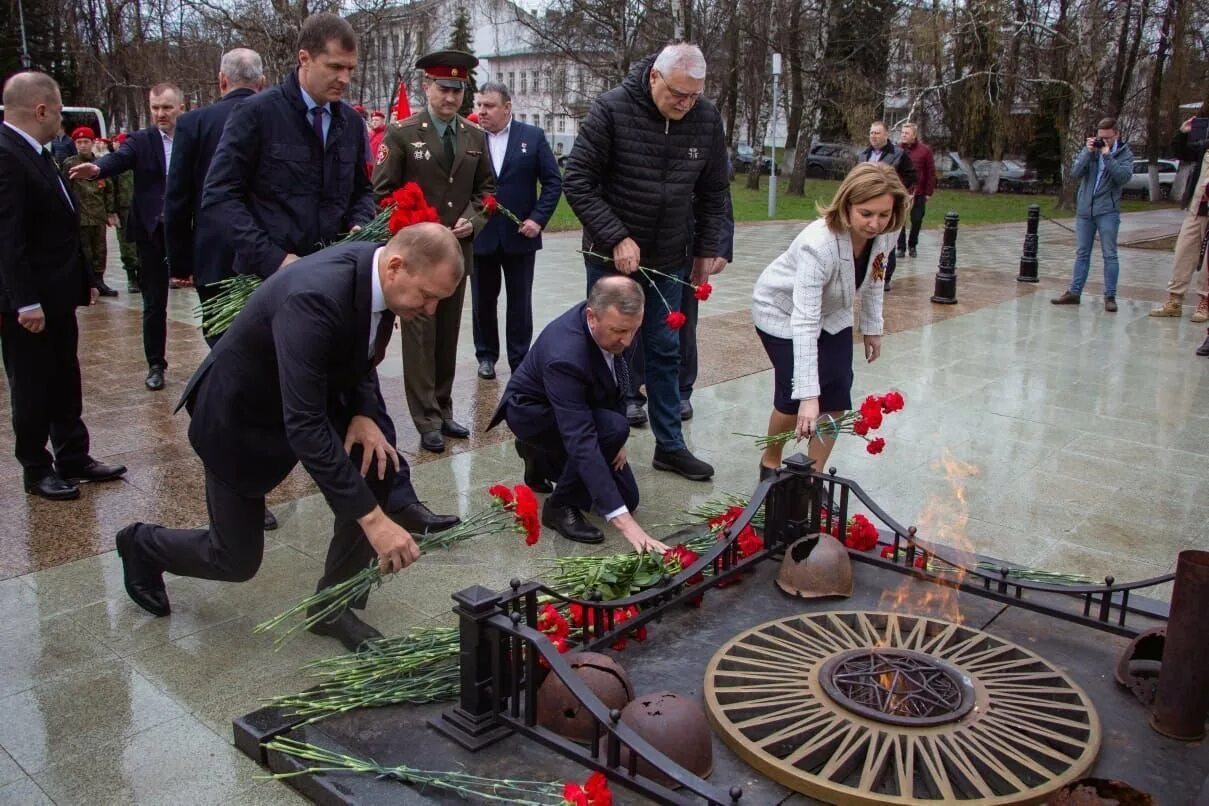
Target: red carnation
[862, 534]
[552, 622]
[527, 513]
[860, 427]
[876, 446]
[675, 320]
[490, 205]
[888, 552]
[870, 406]
[574, 795]
[749, 542]
[892, 402]
[726, 518]
[703, 291]
[501, 493]
[873, 419]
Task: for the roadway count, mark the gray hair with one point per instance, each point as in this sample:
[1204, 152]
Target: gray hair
[495, 86]
[616, 291]
[242, 66]
[683, 56]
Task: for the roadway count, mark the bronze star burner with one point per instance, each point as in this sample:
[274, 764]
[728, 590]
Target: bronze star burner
[898, 686]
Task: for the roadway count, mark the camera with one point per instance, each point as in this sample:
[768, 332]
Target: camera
[1099, 142]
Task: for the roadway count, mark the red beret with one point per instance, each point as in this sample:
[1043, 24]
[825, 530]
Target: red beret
[377, 113]
[359, 109]
[83, 133]
[120, 138]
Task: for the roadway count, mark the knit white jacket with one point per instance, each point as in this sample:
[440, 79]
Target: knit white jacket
[811, 287]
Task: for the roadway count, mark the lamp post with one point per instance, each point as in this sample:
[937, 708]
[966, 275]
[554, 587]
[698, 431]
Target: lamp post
[26, 62]
[772, 140]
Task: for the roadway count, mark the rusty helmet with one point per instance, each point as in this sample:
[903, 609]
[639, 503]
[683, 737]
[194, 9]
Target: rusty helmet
[673, 724]
[814, 566]
[559, 710]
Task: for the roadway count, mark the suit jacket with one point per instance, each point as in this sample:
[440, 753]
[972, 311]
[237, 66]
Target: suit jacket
[41, 261]
[274, 188]
[563, 378]
[528, 160]
[412, 152]
[203, 252]
[143, 155]
[282, 383]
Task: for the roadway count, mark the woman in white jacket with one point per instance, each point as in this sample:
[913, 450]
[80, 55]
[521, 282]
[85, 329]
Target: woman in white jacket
[803, 301]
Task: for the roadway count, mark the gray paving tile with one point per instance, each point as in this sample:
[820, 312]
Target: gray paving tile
[23, 792]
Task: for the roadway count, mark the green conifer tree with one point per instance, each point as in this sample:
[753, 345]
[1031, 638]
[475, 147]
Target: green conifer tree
[462, 38]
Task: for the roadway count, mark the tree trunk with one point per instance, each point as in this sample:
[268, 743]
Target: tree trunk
[1156, 97]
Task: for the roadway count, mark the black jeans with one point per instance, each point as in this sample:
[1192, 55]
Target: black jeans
[516, 272]
[153, 279]
[918, 208]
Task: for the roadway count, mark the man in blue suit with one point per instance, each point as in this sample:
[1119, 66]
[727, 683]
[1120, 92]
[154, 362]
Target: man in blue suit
[195, 248]
[147, 154]
[566, 405]
[522, 158]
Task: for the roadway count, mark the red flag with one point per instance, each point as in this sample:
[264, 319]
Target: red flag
[402, 105]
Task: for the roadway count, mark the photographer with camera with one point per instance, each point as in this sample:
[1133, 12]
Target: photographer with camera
[1189, 256]
[1103, 167]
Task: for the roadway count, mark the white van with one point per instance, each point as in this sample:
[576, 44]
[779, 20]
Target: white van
[76, 116]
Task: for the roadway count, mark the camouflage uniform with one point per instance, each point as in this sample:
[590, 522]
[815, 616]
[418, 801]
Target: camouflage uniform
[97, 202]
[123, 191]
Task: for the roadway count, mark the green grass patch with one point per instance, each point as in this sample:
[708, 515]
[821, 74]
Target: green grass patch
[974, 208]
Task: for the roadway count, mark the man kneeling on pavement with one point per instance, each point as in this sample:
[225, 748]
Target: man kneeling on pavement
[566, 405]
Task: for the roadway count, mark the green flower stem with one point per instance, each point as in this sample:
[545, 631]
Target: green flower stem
[642, 269]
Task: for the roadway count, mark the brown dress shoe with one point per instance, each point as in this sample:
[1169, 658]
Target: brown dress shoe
[1110, 304]
[1067, 298]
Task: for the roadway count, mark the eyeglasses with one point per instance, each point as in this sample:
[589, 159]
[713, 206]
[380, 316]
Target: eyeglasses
[677, 94]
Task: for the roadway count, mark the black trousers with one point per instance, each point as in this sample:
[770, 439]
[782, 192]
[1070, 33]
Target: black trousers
[918, 207]
[516, 272]
[153, 279]
[688, 354]
[43, 373]
[536, 435]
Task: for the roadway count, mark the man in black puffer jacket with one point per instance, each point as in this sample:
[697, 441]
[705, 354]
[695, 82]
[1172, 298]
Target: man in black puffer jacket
[648, 180]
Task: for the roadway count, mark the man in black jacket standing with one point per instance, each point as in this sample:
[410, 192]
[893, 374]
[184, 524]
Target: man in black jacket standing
[147, 154]
[204, 253]
[648, 179]
[43, 277]
[880, 149]
[294, 380]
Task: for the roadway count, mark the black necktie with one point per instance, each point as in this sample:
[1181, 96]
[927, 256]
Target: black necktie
[386, 327]
[448, 141]
[622, 371]
[317, 121]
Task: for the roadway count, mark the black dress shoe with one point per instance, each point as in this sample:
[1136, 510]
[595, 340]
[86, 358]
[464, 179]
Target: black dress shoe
[54, 487]
[1110, 304]
[133, 288]
[155, 379]
[348, 630]
[570, 523]
[432, 441]
[902, 252]
[686, 409]
[106, 291]
[454, 429]
[418, 519]
[92, 470]
[144, 582]
[684, 463]
[270, 520]
[1204, 348]
[911, 251]
[535, 474]
[486, 370]
[635, 414]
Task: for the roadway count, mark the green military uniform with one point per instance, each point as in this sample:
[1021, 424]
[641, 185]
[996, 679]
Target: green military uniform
[412, 151]
[123, 192]
[97, 201]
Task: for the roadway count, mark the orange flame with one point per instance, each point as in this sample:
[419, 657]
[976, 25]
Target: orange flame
[942, 523]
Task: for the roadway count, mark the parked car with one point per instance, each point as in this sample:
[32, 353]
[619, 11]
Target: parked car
[830, 160]
[745, 155]
[1139, 183]
[1014, 176]
[957, 179]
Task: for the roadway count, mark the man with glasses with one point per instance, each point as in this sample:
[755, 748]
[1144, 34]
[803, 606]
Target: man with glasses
[648, 179]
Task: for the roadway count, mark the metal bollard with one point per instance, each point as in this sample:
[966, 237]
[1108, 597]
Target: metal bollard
[1182, 700]
[1028, 260]
[945, 290]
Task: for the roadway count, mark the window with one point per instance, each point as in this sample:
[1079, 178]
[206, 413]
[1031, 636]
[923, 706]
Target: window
[499, 78]
[549, 121]
[562, 123]
[524, 83]
[537, 82]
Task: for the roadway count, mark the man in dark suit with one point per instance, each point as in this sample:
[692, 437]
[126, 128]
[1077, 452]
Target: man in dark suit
[522, 158]
[294, 380]
[566, 405]
[447, 157]
[147, 154]
[289, 173]
[43, 277]
[203, 252]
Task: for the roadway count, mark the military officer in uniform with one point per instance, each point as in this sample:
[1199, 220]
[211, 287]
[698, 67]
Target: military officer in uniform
[123, 193]
[447, 157]
[96, 205]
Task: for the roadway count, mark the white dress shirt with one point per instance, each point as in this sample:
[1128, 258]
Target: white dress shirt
[377, 301]
[167, 151]
[609, 359]
[498, 145]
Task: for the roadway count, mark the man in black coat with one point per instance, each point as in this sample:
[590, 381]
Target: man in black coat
[648, 179]
[197, 250]
[43, 277]
[289, 174]
[881, 149]
[147, 154]
[294, 380]
[566, 405]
